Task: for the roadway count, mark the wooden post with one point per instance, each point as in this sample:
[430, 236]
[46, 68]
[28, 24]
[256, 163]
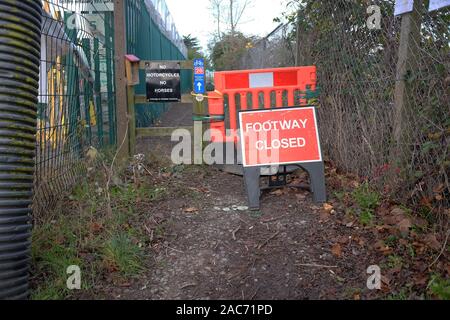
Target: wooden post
[120, 41]
[408, 51]
[297, 52]
[132, 117]
[198, 133]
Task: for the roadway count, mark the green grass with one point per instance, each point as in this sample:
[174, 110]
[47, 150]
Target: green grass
[366, 217]
[403, 294]
[391, 241]
[439, 287]
[394, 261]
[129, 195]
[53, 251]
[85, 235]
[367, 201]
[122, 253]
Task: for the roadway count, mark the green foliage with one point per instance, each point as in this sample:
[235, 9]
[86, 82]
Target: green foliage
[401, 295]
[394, 261]
[193, 46]
[440, 287]
[366, 217]
[53, 250]
[129, 195]
[367, 201]
[366, 198]
[227, 52]
[85, 234]
[122, 253]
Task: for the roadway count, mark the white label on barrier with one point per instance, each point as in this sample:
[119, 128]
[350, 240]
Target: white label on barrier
[438, 4]
[261, 80]
[403, 6]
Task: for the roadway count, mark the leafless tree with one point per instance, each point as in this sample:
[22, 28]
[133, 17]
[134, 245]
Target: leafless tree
[217, 9]
[236, 10]
[228, 14]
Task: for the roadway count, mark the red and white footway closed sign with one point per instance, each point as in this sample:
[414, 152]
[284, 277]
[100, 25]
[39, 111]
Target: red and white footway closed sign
[279, 136]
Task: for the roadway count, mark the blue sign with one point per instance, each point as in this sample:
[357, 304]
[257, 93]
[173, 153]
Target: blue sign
[199, 76]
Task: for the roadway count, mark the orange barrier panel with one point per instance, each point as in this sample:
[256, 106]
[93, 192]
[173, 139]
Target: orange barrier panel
[239, 85]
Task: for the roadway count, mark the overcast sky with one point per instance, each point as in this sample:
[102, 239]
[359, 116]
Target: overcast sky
[194, 17]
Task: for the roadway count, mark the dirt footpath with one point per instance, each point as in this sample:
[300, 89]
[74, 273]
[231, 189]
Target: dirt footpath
[213, 247]
[214, 251]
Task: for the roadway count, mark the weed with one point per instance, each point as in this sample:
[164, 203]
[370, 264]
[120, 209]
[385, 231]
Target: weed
[53, 251]
[121, 253]
[130, 195]
[352, 292]
[411, 250]
[394, 261]
[366, 198]
[403, 294]
[367, 201]
[391, 241]
[439, 287]
[340, 195]
[366, 217]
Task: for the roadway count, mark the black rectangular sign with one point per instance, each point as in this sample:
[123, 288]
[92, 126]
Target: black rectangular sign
[163, 81]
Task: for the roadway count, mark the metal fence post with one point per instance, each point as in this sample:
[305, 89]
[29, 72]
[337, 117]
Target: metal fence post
[109, 32]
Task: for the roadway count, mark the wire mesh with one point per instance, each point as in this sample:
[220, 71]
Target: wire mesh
[76, 95]
[77, 105]
[403, 150]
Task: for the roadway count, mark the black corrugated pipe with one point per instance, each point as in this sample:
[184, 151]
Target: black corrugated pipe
[20, 41]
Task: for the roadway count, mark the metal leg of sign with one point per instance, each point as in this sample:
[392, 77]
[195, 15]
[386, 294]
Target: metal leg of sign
[316, 171]
[251, 178]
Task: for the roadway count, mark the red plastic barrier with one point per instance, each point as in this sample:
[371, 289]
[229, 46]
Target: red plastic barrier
[255, 82]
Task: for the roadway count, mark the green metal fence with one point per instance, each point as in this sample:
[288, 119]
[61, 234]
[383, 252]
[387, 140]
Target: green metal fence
[147, 39]
[76, 94]
[77, 102]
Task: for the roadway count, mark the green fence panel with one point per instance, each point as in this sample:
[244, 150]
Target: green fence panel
[147, 41]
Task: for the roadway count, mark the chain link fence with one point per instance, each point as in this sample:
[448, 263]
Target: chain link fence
[382, 120]
[276, 50]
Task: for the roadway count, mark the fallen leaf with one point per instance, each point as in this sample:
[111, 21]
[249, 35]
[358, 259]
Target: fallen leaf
[300, 196]
[324, 216]
[432, 242]
[343, 240]
[327, 207]
[277, 192]
[336, 250]
[420, 280]
[385, 281]
[404, 226]
[419, 248]
[381, 247]
[398, 212]
[420, 222]
[426, 202]
[96, 227]
[439, 189]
